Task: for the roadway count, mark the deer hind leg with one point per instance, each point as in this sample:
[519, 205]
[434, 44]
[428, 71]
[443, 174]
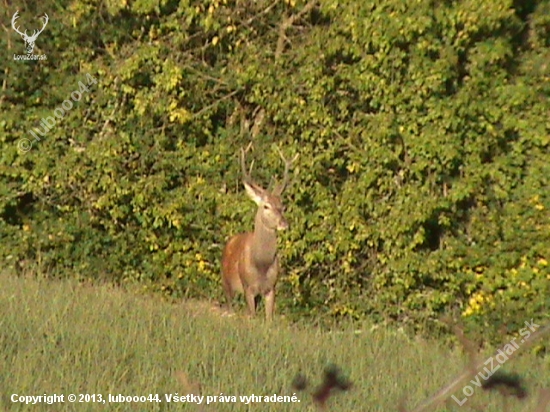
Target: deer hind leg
[229, 294]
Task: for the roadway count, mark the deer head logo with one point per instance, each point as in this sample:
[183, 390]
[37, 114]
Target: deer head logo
[29, 40]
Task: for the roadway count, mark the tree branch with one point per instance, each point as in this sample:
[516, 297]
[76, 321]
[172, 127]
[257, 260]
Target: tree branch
[288, 23]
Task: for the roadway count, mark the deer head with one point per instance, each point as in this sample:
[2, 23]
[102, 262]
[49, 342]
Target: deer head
[270, 207]
[29, 40]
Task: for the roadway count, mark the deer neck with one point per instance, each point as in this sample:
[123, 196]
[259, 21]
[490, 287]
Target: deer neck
[264, 244]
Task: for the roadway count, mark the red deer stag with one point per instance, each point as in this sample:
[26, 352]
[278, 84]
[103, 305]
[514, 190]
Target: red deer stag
[249, 261]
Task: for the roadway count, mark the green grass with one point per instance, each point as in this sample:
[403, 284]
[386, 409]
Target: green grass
[61, 337]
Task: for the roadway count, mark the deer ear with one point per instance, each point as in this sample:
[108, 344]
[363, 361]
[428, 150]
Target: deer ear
[256, 193]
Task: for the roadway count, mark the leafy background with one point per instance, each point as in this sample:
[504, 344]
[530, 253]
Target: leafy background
[422, 128]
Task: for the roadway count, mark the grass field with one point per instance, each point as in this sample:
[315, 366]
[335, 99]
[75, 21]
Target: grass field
[61, 337]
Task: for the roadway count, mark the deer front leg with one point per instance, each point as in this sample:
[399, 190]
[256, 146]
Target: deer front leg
[269, 304]
[269, 291]
[249, 296]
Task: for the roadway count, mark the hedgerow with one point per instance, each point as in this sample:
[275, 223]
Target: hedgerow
[422, 128]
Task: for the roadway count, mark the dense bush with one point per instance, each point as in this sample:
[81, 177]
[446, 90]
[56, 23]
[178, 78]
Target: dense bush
[422, 128]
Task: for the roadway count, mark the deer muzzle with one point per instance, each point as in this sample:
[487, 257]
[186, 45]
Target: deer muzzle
[283, 224]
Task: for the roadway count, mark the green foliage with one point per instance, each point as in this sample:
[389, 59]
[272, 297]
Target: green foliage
[422, 129]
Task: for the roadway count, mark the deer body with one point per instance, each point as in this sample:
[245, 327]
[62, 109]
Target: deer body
[250, 264]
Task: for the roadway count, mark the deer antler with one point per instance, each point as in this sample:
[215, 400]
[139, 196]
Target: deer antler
[35, 32]
[46, 19]
[281, 186]
[246, 175]
[13, 19]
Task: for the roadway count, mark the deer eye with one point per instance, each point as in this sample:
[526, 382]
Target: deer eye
[266, 206]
